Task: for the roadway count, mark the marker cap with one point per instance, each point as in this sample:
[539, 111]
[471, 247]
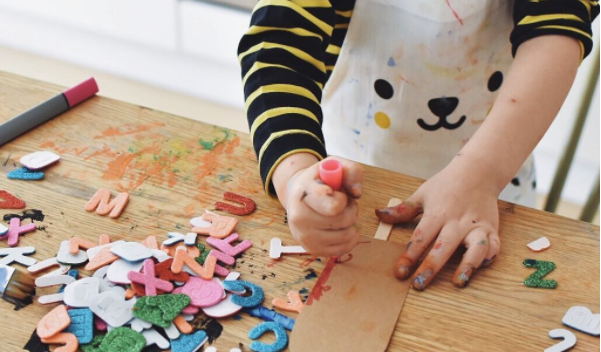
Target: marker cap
[81, 92]
[330, 172]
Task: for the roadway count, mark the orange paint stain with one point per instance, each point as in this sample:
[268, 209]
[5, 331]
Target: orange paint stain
[48, 144]
[116, 168]
[171, 179]
[79, 151]
[190, 209]
[53, 146]
[231, 146]
[106, 151]
[128, 130]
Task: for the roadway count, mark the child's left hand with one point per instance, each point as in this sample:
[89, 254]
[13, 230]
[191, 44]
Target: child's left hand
[458, 208]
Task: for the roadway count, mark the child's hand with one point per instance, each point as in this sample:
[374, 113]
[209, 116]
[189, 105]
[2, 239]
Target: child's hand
[322, 220]
[457, 209]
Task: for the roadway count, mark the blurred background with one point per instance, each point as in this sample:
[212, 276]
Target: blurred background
[179, 56]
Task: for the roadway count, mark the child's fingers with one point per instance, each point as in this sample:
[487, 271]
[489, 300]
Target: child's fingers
[329, 243]
[443, 248]
[403, 212]
[494, 248]
[336, 250]
[336, 237]
[477, 246]
[322, 200]
[309, 218]
[344, 220]
[351, 237]
[425, 232]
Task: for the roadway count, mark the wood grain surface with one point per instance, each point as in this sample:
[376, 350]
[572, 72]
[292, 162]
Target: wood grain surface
[175, 168]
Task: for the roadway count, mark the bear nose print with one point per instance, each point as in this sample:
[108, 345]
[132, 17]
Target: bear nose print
[443, 107]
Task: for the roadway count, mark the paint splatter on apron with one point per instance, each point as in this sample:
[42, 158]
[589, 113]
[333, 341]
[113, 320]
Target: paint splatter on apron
[414, 81]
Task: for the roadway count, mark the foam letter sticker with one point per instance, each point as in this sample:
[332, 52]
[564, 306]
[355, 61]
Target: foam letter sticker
[10, 202]
[536, 279]
[569, 340]
[582, 319]
[100, 203]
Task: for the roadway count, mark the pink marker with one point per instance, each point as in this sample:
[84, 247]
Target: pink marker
[47, 110]
[330, 172]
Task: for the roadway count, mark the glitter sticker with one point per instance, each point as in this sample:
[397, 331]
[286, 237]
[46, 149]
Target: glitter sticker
[536, 279]
[248, 207]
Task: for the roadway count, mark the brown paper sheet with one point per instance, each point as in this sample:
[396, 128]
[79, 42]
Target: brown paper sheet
[355, 304]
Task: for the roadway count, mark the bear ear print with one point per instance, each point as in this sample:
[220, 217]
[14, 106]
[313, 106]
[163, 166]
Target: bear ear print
[495, 81]
[383, 88]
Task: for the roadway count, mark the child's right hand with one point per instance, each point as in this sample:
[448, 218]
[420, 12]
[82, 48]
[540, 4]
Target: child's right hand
[321, 219]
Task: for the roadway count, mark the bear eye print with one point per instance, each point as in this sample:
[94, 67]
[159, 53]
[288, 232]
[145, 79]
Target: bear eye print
[385, 91]
[495, 81]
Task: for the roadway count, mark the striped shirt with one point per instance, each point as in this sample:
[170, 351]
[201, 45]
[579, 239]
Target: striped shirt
[291, 47]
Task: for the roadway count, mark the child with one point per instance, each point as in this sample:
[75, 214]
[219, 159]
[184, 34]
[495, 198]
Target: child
[458, 92]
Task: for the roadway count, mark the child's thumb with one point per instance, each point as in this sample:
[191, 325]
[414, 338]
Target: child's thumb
[406, 211]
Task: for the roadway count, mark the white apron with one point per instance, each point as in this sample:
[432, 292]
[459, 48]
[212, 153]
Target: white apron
[414, 81]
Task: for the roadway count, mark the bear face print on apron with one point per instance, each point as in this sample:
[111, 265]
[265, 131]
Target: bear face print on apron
[414, 81]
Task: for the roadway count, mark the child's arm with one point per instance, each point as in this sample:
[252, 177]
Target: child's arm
[459, 204]
[286, 56]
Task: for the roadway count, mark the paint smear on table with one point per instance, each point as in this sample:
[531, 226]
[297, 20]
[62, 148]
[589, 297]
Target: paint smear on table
[128, 130]
[132, 155]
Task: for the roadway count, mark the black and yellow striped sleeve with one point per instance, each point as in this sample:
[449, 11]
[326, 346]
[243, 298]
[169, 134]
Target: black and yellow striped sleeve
[572, 18]
[286, 57]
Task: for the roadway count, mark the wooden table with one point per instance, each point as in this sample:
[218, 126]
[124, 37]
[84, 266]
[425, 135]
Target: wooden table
[175, 168]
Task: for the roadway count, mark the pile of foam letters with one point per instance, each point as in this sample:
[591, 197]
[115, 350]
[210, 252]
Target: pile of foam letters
[135, 288]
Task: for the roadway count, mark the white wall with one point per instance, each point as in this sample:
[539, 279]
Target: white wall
[190, 47]
[155, 42]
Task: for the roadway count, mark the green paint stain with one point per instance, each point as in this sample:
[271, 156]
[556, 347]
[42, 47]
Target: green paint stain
[226, 132]
[207, 145]
[210, 145]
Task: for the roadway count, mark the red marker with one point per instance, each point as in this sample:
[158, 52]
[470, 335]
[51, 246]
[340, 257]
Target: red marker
[330, 172]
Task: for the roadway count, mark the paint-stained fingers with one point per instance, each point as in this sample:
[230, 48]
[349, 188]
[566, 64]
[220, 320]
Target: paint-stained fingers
[444, 246]
[424, 234]
[477, 246]
[352, 177]
[321, 199]
[403, 212]
[494, 248]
